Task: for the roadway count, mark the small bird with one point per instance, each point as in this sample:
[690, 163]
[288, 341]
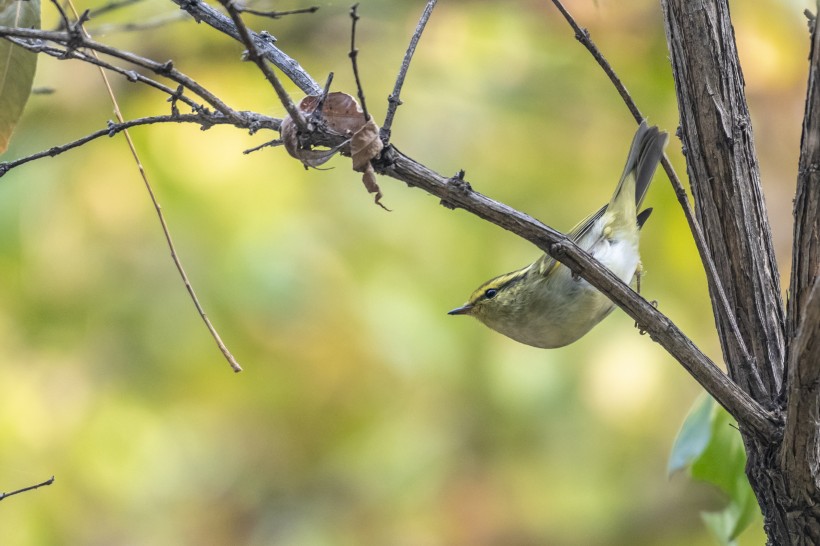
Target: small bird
[544, 304]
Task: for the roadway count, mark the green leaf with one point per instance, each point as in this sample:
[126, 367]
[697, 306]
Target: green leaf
[724, 458]
[16, 65]
[720, 524]
[694, 435]
[710, 445]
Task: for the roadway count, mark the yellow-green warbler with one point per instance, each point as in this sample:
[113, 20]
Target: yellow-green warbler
[544, 304]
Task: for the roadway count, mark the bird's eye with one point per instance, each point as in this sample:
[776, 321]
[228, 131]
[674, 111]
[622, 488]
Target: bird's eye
[490, 293]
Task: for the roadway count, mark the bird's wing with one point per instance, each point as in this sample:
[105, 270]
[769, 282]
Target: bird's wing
[546, 263]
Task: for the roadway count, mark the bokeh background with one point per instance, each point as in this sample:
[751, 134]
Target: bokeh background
[365, 415]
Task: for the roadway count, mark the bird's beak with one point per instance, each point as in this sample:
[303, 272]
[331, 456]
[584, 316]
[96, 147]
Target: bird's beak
[463, 310]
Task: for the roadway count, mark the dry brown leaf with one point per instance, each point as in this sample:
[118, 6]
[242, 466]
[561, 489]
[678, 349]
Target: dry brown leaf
[343, 115]
[364, 146]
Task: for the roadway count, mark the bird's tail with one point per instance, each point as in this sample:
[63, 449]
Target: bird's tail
[644, 156]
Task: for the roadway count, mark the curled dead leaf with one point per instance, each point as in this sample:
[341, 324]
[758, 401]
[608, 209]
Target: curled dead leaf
[342, 115]
[308, 156]
[365, 146]
[341, 112]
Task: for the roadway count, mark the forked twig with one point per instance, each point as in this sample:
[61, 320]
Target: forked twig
[582, 35]
[393, 101]
[29, 488]
[354, 54]
[256, 57]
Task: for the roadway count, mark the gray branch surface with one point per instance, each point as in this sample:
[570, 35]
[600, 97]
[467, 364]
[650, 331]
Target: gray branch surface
[204, 13]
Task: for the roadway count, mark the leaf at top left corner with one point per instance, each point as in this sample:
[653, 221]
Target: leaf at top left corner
[16, 65]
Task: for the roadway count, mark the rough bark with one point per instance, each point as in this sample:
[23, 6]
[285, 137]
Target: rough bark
[800, 452]
[717, 139]
[806, 256]
[719, 148]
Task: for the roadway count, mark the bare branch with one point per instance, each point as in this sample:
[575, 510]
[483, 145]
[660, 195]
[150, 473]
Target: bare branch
[393, 101]
[29, 488]
[63, 53]
[268, 144]
[256, 57]
[263, 41]
[72, 41]
[455, 193]
[715, 285]
[354, 54]
[252, 122]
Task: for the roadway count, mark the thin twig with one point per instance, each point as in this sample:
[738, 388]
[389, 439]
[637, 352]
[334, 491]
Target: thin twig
[393, 101]
[354, 54]
[270, 143]
[130, 75]
[740, 404]
[325, 91]
[29, 488]
[166, 69]
[582, 35]
[277, 14]
[203, 119]
[163, 223]
[259, 60]
[202, 12]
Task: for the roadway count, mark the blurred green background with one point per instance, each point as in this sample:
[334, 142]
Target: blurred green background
[365, 415]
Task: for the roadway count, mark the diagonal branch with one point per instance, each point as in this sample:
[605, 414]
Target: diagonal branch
[29, 488]
[256, 57]
[202, 12]
[74, 41]
[253, 122]
[63, 53]
[715, 284]
[457, 193]
[750, 414]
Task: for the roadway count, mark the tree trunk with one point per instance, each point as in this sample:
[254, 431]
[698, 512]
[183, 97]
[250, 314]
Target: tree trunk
[719, 147]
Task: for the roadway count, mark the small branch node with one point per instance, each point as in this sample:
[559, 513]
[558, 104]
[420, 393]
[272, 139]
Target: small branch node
[174, 99]
[267, 37]
[166, 69]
